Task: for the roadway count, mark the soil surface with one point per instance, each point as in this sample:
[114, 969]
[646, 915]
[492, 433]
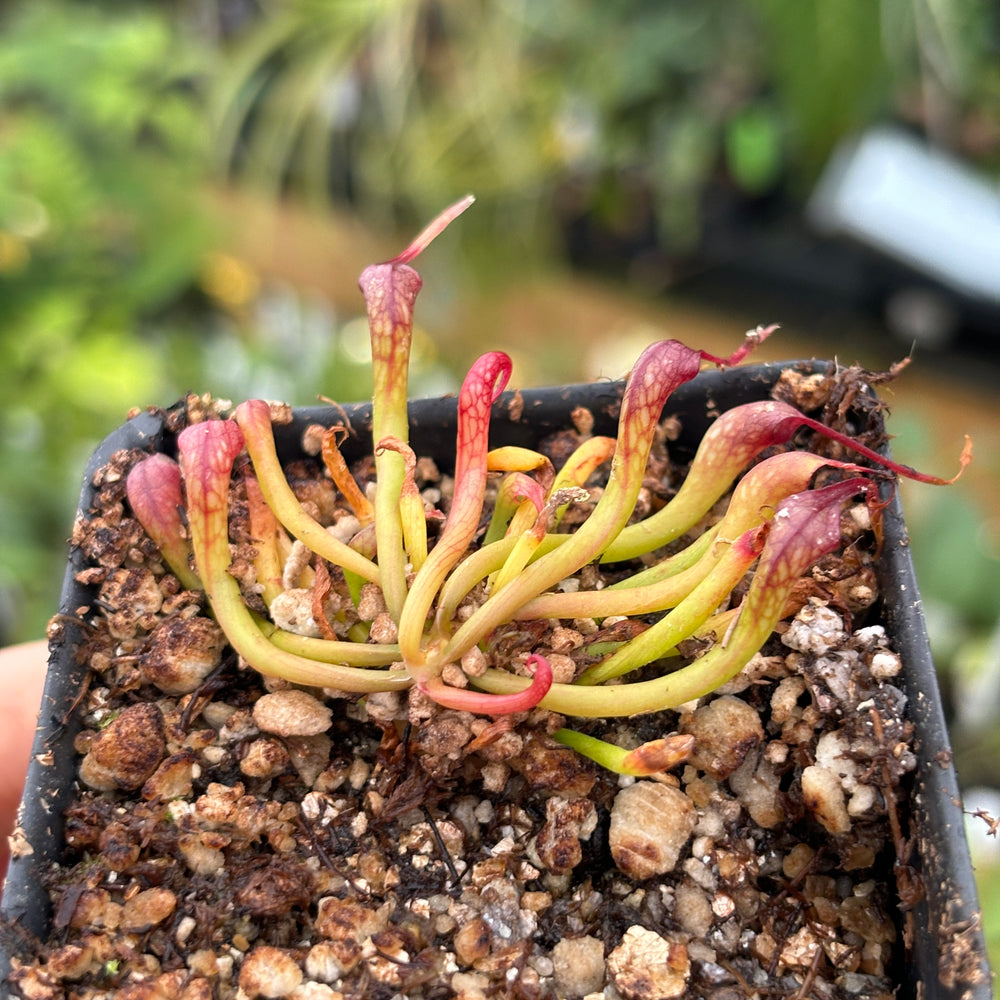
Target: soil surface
[235, 837]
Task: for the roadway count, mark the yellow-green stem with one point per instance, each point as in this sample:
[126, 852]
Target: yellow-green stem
[254, 420]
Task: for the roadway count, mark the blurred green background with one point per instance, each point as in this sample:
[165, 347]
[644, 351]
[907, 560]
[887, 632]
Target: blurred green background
[188, 191]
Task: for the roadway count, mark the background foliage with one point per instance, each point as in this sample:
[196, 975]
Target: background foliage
[100, 142]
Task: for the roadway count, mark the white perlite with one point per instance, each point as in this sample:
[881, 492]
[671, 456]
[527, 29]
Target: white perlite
[815, 629]
[291, 713]
[646, 966]
[650, 823]
[269, 972]
[578, 966]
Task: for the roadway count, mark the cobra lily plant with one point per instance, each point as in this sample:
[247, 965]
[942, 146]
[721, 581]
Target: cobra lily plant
[441, 594]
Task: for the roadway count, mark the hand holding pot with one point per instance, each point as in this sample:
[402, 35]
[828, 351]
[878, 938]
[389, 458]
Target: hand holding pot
[23, 670]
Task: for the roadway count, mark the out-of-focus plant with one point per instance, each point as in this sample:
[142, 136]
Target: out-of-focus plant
[101, 145]
[956, 551]
[836, 67]
[111, 288]
[112, 284]
[622, 116]
[390, 105]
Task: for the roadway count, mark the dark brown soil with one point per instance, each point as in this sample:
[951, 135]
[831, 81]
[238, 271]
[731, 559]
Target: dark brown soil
[395, 849]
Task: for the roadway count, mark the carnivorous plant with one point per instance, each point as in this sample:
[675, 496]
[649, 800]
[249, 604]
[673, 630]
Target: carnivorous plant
[419, 598]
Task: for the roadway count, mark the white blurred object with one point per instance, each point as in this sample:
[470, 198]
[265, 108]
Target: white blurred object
[919, 206]
[983, 845]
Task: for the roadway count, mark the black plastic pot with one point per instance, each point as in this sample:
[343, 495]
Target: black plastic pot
[947, 960]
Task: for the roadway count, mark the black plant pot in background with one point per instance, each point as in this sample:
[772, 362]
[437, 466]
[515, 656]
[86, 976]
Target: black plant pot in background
[947, 958]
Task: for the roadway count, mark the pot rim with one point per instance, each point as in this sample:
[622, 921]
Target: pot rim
[948, 956]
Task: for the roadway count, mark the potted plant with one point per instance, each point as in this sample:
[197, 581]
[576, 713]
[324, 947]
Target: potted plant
[481, 697]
